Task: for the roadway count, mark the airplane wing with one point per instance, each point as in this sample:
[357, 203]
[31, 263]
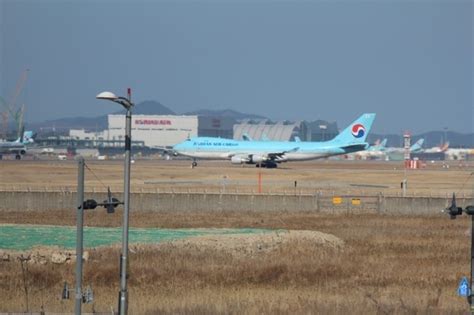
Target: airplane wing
[254, 158]
[355, 147]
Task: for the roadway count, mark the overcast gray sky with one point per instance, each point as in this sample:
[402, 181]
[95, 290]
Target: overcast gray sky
[411, 62]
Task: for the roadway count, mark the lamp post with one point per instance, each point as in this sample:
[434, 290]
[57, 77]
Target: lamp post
[127, 104]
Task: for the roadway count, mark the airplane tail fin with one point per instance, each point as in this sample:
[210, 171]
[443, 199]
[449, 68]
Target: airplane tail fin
[444, 147]
[28, 137]
[417, 146]
[357, 131]
[246, 137]
[383, 143]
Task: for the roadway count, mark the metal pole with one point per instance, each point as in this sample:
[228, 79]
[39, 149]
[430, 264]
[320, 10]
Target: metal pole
[472, 264]
[123, 297]
[79, 234]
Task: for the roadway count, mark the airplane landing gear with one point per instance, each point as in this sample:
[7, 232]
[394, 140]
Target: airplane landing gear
[267, 165]
[17, 157]
[194, 164]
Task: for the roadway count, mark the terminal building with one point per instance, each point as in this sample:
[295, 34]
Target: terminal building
[157, 131]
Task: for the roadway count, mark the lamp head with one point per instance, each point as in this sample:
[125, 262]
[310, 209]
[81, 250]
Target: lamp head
[114, 98]
[107, 96]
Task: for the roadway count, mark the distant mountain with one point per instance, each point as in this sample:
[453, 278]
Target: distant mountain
[149, 108]
[63, 125]
[225, 113]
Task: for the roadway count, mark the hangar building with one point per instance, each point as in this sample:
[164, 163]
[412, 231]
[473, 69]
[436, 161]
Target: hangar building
[319, 130]
[154, 130]
[158, 130]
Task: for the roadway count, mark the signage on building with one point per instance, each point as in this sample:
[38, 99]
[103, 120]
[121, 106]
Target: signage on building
[152, 122]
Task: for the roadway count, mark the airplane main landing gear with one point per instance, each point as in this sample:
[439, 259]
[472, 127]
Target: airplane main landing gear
[194, 164]
[17, 157]
[267, 165]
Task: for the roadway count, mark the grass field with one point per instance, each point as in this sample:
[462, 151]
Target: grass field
[356, 177]
[388, 264]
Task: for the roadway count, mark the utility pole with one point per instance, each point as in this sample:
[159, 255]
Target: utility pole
[79, 235]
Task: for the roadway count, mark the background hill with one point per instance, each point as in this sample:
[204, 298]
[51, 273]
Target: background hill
[97, 123]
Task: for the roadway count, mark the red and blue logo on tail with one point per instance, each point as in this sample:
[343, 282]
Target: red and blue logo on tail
[358, 130]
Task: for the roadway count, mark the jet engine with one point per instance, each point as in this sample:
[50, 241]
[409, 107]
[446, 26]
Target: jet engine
[255, 159]
[238, 159]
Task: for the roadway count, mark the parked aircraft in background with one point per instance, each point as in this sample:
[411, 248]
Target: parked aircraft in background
[441, 148]
[17, 147]
[270, 153]
[375, 151]
[415, 148]
[378, 146]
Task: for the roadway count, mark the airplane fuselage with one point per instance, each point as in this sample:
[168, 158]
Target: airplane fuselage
[216, 148]
[269, 153]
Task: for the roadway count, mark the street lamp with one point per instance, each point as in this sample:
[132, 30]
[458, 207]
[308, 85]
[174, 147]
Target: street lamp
[127, 104]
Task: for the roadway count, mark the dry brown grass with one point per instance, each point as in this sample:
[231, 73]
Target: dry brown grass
[390, 264]
[348, 177]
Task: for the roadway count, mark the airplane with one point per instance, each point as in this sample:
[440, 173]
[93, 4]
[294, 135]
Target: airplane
[270, 153]
[378, 146]
[415, 148]
[375, 151]
[438, 149]
[17, 147]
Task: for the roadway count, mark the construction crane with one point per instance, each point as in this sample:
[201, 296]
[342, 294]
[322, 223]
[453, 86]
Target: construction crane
[10, 107]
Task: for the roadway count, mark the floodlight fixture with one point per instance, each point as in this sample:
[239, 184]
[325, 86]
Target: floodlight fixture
[125, 102]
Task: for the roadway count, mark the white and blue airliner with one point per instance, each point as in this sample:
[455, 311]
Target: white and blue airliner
[17, 147]
[270, 153]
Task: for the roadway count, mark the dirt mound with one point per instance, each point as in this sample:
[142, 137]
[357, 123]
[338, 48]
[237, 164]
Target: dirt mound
[42, 255]
[254, 244]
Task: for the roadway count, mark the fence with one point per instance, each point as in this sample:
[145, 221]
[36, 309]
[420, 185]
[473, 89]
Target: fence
[147, 201]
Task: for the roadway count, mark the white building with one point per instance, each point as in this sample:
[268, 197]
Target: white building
[153, 130]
